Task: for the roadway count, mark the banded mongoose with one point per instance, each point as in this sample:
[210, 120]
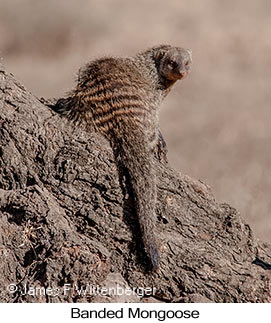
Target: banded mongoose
[120, 98]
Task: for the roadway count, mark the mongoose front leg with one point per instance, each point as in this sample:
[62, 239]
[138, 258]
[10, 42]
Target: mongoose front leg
[160, 150]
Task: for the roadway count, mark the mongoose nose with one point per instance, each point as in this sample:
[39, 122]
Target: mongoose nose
[182, 74]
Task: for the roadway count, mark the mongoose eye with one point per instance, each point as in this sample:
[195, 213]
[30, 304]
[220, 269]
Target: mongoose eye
[172, 64]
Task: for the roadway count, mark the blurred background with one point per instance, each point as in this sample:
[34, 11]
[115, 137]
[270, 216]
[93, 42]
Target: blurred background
[216, 122]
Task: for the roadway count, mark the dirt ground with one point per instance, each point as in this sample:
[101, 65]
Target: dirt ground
[216, 122]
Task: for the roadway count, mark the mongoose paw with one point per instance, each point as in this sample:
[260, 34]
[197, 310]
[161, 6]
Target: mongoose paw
[160, 151]
[155, 258]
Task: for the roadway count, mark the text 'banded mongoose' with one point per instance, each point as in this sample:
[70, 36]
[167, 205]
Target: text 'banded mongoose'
[120, 98]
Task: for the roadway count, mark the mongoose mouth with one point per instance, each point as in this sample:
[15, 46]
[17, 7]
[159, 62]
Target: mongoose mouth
[182, 75]
[177, 75]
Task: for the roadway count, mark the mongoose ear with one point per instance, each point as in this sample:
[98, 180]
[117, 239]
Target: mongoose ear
[160, 51]
[157, 55]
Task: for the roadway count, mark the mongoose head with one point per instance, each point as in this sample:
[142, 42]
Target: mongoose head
[173, 63]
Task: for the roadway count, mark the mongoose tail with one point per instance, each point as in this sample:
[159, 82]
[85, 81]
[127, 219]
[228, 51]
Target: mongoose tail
[143, 180]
